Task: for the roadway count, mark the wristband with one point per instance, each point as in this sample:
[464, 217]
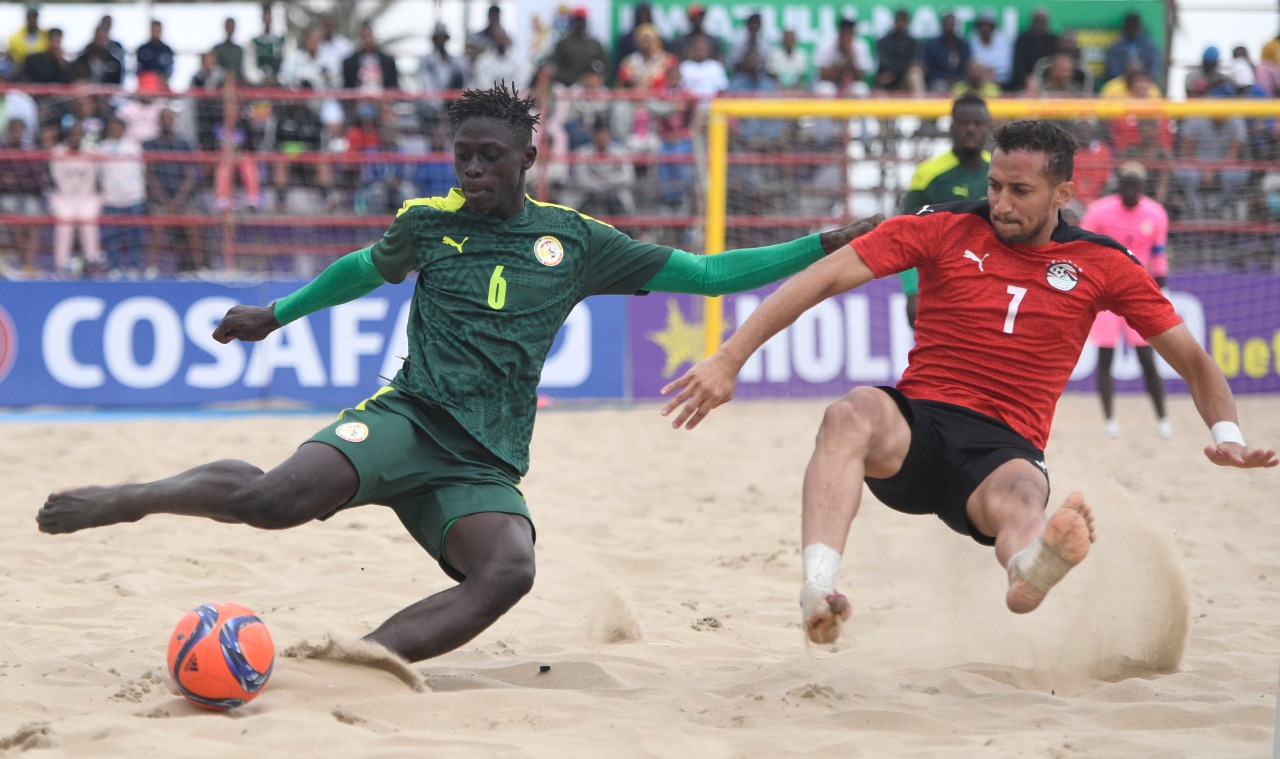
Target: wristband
[1226, 432]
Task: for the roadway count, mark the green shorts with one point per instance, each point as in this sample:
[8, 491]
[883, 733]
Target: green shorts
[416, 458]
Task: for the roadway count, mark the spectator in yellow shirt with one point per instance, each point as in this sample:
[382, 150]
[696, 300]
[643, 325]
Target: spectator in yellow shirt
[29, 39]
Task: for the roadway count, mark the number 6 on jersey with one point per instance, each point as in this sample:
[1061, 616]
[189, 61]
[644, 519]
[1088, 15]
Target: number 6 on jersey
[498, 290]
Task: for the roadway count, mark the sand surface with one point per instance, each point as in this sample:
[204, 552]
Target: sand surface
[665, 605]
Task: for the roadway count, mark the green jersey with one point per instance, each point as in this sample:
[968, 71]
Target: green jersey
[491, 296]
[268, 53]
[942, 179]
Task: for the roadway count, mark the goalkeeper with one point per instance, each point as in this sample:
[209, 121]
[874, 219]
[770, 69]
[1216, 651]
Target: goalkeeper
[446, 443]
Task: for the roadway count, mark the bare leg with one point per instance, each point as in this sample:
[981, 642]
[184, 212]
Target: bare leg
[313, 482]
[862, 434]
[1151, 376]
[495, 551]
[1106, 385]
[1036, 551]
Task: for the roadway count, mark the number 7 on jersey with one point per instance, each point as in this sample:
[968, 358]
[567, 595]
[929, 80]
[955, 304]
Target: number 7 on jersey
[1018, 294]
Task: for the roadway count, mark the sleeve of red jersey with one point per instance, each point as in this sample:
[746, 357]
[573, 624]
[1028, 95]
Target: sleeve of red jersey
[897, 244]
[1134, 295]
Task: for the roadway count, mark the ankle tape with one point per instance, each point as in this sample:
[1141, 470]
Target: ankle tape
[1039, 565]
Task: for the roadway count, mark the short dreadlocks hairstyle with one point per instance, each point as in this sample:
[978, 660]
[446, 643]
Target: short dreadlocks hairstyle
[499, 103]
[1041, 137]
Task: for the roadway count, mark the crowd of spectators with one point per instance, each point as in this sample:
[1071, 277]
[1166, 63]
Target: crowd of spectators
[619, 121]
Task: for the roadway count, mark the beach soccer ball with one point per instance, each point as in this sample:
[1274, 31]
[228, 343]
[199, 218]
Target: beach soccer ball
[220, 656]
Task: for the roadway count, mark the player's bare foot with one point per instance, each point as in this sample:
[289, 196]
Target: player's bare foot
[78, 509]
[823, 615]
[1038, 567]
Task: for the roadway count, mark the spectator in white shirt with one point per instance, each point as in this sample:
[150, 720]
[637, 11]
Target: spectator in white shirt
[703, 76]
[844, 63]
[789, 63]
[498, 63]
[334, 47]
[992, 50]
[124, 193]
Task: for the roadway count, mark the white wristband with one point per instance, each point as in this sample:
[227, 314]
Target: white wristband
[821, 566]
[1226, 432]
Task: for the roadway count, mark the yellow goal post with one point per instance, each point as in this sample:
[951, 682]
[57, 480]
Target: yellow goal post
[723, 111]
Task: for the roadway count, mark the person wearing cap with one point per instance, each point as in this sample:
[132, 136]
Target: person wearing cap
[29, 39]
[438, 71]
[681, 45]
[1207, 76]
[1032, 46]
[843, 64]
[1142, 225]
[576, 50]
[946, 57]
[154, 55]
[991, 49]
[1133, 47]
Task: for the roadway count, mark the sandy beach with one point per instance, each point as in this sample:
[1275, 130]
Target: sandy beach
[665, 613]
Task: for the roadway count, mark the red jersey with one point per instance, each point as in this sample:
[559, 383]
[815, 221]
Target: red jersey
[1000, 327]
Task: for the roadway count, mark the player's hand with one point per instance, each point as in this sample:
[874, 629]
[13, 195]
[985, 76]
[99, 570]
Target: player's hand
[1241, 457]
[707, 384]
[246, 323]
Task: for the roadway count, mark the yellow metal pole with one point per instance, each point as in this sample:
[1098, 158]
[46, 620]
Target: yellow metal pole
[717, 180]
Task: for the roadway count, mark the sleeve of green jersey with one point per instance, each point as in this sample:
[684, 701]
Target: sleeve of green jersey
[346, 279]
[910, 281]
[395, 254]
[913, 201]
[619, 264]
[735, 270]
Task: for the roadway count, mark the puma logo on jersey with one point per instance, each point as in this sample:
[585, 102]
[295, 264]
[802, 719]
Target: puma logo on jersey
[458, 245]
[969, 254]
[923, 210]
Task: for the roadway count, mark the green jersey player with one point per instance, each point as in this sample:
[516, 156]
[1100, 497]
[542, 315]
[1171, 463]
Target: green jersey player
[445, 444]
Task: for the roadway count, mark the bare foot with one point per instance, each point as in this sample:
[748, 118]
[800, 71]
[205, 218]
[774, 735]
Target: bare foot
[74, 510]
[823, 615]
[1038, 567]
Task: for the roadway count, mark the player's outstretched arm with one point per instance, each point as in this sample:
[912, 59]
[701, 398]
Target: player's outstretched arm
[1213, 399]
[710, 382]
[743, 269]
[346, 279]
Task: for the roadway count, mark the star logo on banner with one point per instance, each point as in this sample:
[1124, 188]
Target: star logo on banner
[683, 342]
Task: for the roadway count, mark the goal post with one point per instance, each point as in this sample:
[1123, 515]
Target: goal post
[724, 112]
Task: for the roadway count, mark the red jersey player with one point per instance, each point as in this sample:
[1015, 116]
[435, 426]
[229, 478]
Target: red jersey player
[1009, 292]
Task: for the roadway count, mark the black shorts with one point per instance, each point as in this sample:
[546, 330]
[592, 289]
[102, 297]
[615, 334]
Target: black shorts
[953, 449]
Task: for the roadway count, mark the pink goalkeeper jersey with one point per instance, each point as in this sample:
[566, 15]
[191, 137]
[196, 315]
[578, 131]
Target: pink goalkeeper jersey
[1143, 229]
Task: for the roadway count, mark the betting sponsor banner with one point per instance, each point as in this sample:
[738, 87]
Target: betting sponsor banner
[151, 344]
[862, 338]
